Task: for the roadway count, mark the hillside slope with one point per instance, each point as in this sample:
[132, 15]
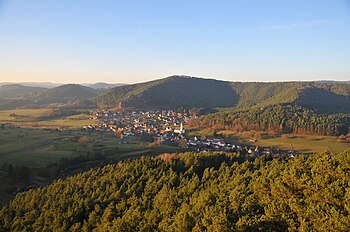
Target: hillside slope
[192, 192]
[172, 92]
[190, 92]
[65, 93]
[19, 91]
[259, 93]
[325, 98]
[281, 118]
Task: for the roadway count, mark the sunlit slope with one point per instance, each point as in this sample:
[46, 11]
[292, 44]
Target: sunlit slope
[192, 192]
[191, 92]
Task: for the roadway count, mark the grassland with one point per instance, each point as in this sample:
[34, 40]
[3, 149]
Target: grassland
[37, 118]
[39, 149]
[301, 143]
[306, 143]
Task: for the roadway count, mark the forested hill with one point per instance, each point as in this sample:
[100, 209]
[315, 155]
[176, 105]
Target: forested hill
[172, 92]
[282, 118]
[190, 92]
[192, 192]
[16, 91]
[286, 107]
[65, 93]
[18, 96]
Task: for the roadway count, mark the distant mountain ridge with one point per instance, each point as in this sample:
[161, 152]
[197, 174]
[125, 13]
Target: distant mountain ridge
[47, 85]
[19, 91]
[186, 92]
[65, 93]
[50, 85]
[17, 96]
[103, 85]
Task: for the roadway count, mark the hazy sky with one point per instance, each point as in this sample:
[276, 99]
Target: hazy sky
[131, 41]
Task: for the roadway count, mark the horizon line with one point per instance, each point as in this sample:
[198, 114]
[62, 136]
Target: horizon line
[189, 76]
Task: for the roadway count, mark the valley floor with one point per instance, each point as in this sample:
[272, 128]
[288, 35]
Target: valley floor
[36, 149]
[300, 143]
[34, 157]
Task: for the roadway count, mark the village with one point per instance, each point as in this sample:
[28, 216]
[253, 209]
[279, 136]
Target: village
[168, 127]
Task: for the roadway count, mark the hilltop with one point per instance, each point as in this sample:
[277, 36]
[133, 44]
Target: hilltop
[191, 92]
[280, 107]
[19, 91]
[46, 85]
[102, 85]
[50, 85]
[65, 93]
[13, 96]
[171, 92]
[187, 92]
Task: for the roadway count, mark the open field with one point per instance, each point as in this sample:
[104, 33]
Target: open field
[306, 144]
[39, 149]
[33, 148]
[24, 114]
[39, 118]
[301, 143]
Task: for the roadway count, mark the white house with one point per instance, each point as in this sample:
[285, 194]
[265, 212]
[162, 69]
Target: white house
[180, 130]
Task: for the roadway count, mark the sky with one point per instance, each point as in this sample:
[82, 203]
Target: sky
[132, 41]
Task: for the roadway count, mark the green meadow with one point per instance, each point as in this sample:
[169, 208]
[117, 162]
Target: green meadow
[301, 143]
[41, 147]
[38, 149]
[38, 118]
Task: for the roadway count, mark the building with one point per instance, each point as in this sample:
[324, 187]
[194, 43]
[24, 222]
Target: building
[180, 130]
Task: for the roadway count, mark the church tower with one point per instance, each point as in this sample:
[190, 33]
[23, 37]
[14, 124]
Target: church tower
[182, 128]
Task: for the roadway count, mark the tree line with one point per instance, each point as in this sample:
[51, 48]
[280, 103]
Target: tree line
[278, 119]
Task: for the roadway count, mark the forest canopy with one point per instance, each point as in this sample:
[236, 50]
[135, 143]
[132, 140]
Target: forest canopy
[277, 118]
[192, 192]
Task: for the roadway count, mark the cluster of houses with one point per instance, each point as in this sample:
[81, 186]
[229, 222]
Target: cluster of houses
[208, 144]
[165, 124]
[168, 126]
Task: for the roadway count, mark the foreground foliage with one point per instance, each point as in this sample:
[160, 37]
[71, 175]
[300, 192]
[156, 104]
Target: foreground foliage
[198, 192]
